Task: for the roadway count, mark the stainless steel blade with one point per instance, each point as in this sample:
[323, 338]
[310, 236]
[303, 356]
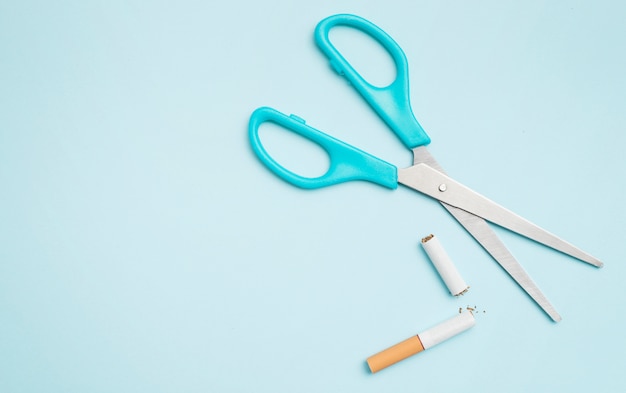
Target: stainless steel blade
[430, 181]
[489, 240]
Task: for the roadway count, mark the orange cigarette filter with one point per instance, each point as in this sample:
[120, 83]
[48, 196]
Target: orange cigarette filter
[420, 342]
[400, 351]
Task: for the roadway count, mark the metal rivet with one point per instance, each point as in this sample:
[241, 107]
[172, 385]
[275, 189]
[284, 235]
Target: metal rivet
[443, 187]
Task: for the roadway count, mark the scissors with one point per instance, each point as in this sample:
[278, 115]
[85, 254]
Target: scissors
[348, 163]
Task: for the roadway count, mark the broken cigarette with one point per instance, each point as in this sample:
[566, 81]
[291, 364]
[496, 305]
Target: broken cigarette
[446, 269]
[422, 341]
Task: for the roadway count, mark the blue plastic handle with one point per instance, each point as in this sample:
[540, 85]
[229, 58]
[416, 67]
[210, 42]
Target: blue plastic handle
[391, 102]
[346, 162]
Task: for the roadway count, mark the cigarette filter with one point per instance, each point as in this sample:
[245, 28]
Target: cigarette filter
[442, 262]
[422, 341]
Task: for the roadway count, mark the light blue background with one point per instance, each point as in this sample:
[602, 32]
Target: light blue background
[145, 249]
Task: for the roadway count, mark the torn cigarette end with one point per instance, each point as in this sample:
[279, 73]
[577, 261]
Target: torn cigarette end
[427, 238]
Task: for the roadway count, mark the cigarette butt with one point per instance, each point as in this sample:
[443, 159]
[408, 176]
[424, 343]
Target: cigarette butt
[444, 266]
[416, 344]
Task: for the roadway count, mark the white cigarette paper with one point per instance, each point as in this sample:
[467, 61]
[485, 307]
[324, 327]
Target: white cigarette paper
[447, 329]
[442, 262]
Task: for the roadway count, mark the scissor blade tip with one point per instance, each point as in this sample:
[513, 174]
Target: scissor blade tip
[595, 262]
[592, 261]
